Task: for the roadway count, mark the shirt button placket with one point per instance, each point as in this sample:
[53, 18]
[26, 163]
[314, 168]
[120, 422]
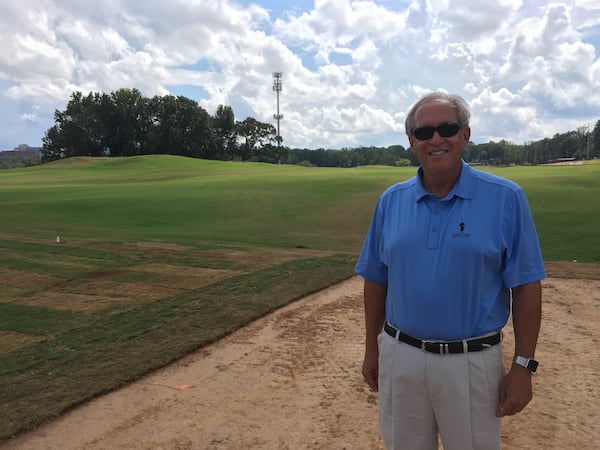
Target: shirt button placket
[434, 226]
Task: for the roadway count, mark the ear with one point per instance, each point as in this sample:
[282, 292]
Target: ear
[466, 135]
[411, 141]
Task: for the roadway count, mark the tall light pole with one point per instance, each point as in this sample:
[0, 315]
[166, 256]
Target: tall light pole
[587, 144]
[277, 86]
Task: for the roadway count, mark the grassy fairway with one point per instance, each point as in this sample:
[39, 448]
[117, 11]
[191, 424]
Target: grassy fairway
[161, 255]
[190, 200]
[564, 201]
[158, 256]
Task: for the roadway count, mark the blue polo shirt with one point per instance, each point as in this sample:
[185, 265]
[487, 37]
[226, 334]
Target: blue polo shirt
[449, 263]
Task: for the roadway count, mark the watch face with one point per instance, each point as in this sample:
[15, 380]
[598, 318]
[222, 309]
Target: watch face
[532, 365]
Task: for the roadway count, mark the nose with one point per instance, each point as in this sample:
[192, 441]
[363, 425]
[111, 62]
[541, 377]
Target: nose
[436, 137]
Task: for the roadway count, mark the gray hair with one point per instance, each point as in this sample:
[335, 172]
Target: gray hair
[459, 103]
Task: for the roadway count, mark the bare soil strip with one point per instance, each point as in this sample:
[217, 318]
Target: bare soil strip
[292, 381]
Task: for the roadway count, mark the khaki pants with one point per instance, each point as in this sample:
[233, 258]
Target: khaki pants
[423, 394]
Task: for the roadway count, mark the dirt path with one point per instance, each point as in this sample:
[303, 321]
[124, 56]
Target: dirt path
[292, 381]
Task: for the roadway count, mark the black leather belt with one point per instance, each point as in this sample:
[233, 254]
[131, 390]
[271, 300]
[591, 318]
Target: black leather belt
[445, 347]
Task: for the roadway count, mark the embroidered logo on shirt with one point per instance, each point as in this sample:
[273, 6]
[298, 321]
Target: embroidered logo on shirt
[462, 233]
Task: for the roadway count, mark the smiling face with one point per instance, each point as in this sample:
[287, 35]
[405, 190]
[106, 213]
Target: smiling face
[439, 156]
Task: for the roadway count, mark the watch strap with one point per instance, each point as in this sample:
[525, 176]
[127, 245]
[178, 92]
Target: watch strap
[529, 363]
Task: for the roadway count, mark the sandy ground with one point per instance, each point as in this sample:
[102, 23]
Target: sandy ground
[292, 381]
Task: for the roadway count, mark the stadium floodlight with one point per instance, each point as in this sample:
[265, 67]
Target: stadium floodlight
[277, 87]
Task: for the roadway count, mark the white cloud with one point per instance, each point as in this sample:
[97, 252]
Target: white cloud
[28, 116]
[351, 69]
[463, 20]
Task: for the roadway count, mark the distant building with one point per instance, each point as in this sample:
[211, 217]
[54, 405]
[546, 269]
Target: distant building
[22, 151]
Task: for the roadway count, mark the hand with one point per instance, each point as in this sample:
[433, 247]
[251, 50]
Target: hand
[370, 369]
[515, 391]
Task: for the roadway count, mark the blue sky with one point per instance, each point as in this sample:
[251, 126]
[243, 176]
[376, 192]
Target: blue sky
[351, 69]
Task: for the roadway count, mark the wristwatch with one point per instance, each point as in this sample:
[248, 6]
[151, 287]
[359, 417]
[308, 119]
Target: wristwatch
[529, 363]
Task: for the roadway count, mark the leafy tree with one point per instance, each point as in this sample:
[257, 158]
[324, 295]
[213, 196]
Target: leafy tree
[53, 145]
[403, 162]
[255, 136]
[179, 126]
[195, 126]
[595, 141]
[80, 130]
[163, 133]
[11, 163]
[224, 128]
[128, 122]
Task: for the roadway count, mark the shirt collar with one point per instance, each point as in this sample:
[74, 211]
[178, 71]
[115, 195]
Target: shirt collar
[464, 187]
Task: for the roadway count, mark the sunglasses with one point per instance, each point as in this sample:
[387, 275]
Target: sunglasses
[444, 130]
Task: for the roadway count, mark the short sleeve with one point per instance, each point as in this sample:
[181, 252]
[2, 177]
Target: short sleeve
[369, 264]
[523, 258]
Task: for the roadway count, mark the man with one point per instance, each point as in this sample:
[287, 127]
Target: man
[444, 252]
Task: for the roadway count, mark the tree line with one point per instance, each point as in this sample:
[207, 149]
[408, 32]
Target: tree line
[125, 123]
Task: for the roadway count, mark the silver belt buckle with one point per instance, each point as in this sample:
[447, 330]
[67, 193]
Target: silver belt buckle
[424, 344]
